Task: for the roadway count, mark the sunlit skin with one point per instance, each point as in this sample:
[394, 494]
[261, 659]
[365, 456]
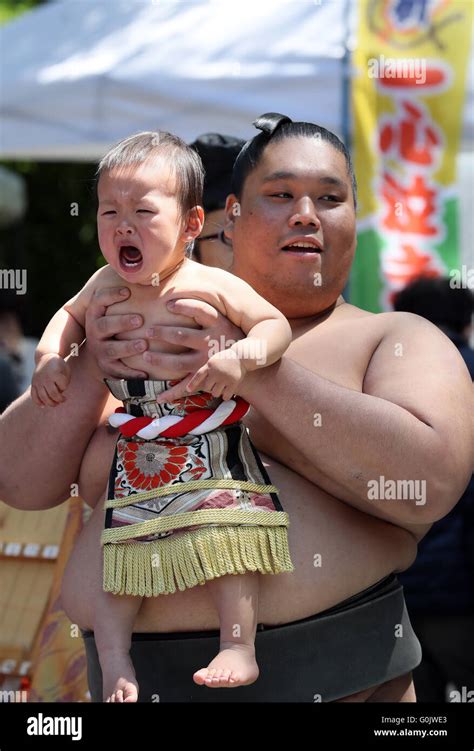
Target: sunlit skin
[138, 205]
[300, 187]
[137, 208]
[403, 416]
[142, 234]
[332, 340]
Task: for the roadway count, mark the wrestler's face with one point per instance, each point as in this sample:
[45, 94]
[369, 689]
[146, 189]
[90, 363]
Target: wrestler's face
[301, 192]
[141, 229]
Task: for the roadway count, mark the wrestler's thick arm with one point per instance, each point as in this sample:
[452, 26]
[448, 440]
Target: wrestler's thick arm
[412, 421]
[42, 449]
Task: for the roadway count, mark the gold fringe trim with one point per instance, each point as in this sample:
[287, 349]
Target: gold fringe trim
[185, 560]
[221, 517]
[185, 487]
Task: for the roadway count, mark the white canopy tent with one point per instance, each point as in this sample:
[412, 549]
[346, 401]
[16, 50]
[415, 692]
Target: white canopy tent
[78, 75]
[81, 74]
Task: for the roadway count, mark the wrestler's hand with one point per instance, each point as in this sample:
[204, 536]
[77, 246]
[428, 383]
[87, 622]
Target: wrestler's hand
[101, 329]
[220, 376]
[216, 333]
[50, 380]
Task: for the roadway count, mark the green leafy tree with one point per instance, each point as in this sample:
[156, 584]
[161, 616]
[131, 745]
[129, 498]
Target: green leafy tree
[56, 240]
[11, 8]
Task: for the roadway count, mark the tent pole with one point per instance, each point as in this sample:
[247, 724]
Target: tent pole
[346, 102]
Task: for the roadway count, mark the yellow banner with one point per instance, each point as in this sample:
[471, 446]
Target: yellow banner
[410, 68]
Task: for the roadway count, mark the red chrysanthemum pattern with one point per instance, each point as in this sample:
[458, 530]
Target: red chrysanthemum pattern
[152, 465]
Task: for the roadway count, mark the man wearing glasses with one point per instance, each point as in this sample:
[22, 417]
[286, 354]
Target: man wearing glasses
[218, 154]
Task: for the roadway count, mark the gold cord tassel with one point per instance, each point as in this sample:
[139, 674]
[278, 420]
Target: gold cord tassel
[185, 559]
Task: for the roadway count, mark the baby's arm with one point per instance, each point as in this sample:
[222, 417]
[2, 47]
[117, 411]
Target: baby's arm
[268, 331]
[268, 336]
[66, 328]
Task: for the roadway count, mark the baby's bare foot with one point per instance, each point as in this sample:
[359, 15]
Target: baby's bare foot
[118, 678]
[235, 665]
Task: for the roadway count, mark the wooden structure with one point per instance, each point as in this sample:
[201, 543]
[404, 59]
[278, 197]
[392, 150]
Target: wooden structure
[29, 548]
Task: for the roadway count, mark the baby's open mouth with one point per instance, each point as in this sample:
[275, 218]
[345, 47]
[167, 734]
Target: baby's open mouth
[130, 258]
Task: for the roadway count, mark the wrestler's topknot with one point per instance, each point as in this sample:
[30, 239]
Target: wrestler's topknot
[276, 127]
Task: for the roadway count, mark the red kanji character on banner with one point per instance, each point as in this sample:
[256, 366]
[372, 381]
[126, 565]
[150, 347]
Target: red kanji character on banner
[417, 140]
[409, 209]
[405, 262]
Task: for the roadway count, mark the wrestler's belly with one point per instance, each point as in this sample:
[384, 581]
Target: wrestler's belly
[336, 550]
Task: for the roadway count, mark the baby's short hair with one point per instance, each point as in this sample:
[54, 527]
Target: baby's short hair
[185, 162]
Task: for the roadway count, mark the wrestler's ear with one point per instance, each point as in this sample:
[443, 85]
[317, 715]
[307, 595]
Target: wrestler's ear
[193, 223]
[232, 211]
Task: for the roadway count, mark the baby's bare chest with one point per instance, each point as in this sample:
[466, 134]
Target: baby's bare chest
[151, 304]
[152, 307]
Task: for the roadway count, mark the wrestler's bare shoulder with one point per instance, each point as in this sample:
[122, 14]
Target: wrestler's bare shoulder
[393, 356]
[340, 346]
[352, 318]
[357, 334]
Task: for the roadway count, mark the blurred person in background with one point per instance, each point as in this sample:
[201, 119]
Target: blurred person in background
[218, 154]
[8, 386]
[19, 349]
[439, 586]
[449, 308]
